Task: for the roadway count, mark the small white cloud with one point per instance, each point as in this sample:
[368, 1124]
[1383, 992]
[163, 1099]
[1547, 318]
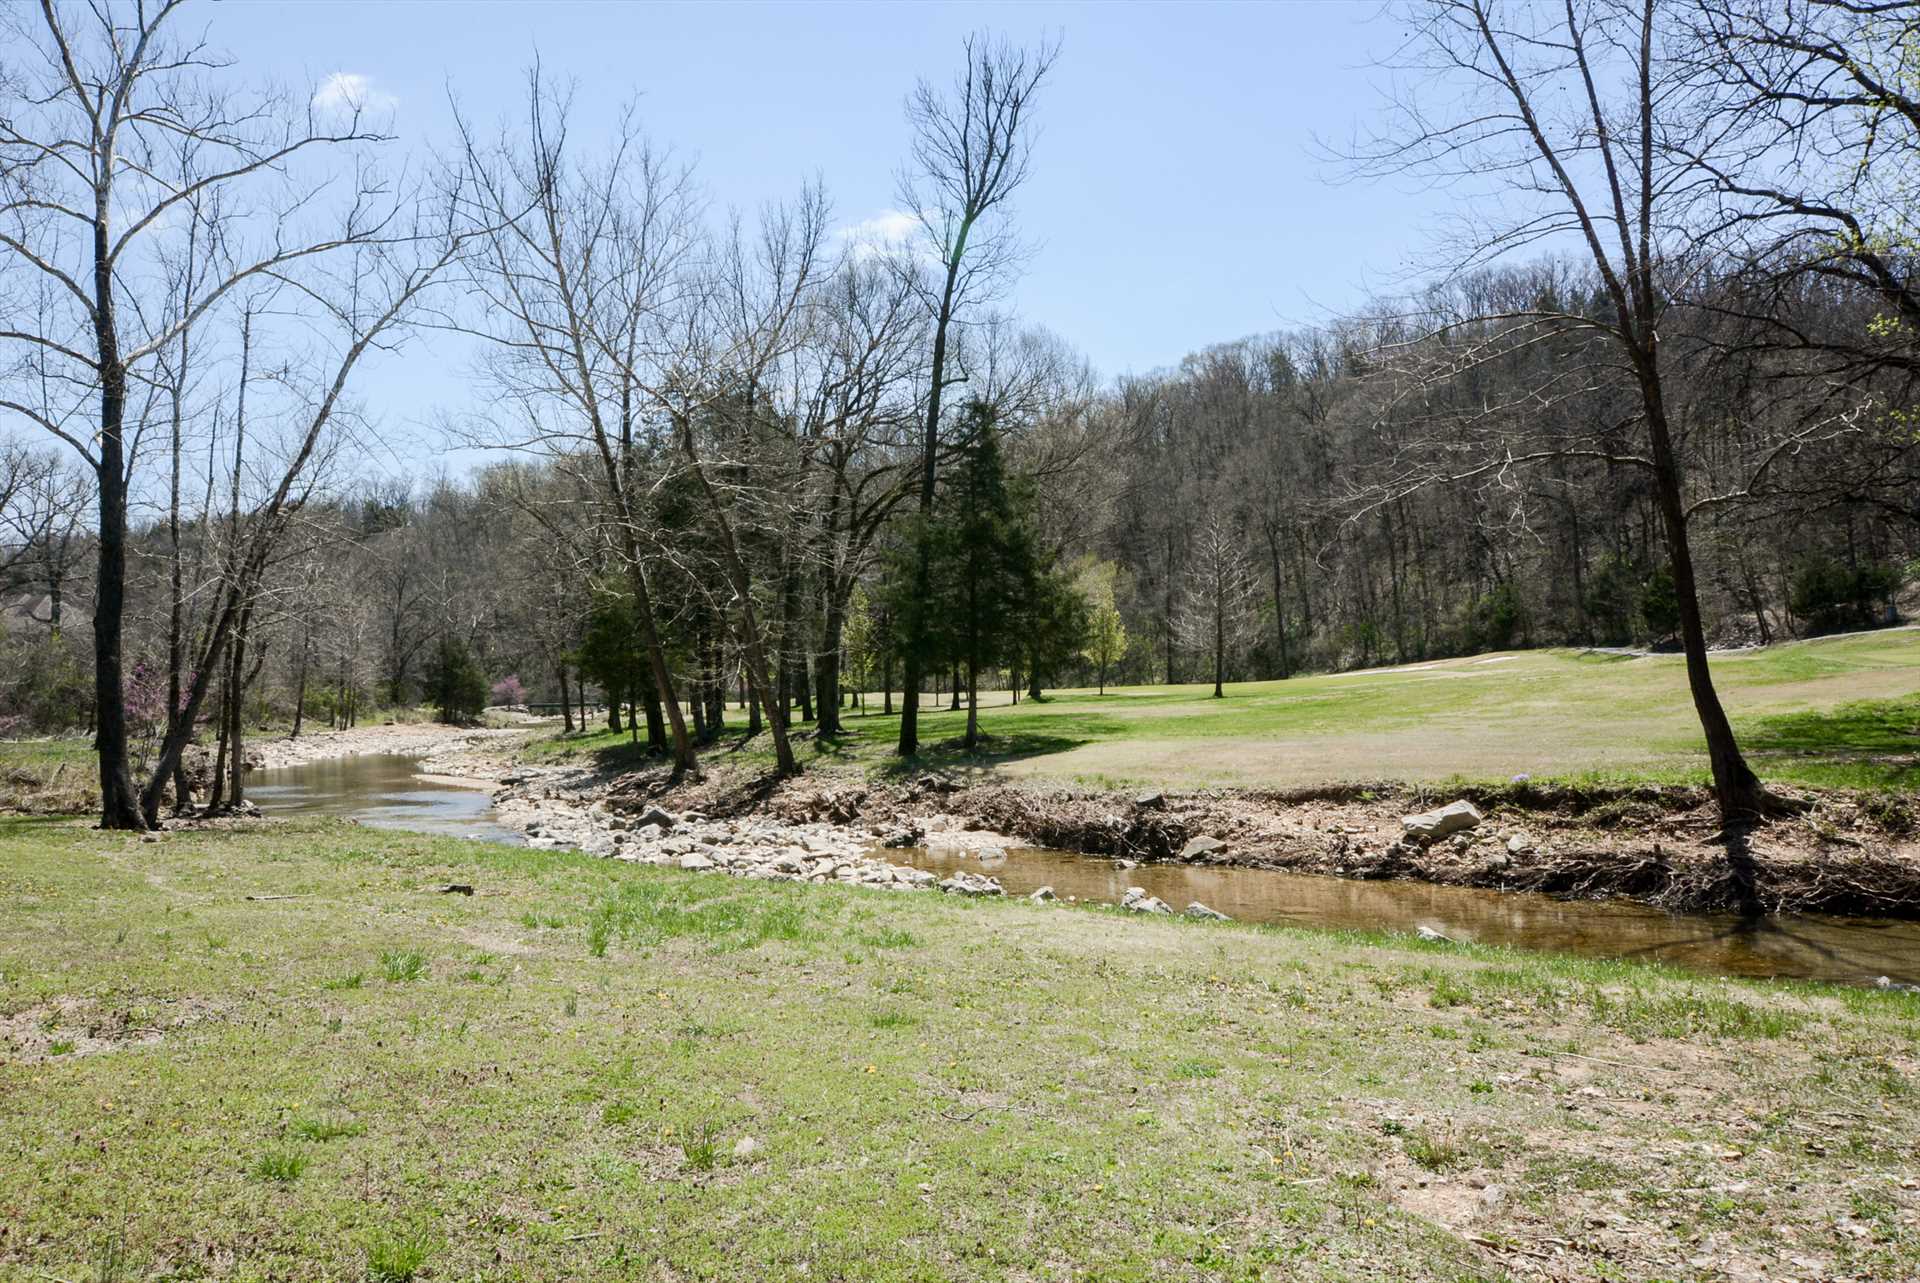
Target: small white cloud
[349, 91]
[886, 232]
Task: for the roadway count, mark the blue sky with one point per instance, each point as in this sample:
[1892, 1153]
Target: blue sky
[1175, 201]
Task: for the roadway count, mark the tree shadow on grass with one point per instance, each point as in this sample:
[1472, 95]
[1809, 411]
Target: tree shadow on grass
[1003, 739]
[1868, 744]
[625, 756]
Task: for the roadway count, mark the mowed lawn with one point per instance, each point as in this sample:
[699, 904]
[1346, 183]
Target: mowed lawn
[590, 1070]
[1841, 711]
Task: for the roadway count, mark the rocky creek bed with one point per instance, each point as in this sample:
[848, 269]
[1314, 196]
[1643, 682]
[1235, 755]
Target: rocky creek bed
[1845, 855]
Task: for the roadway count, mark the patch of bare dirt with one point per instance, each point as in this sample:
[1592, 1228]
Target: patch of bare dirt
[64, 1028]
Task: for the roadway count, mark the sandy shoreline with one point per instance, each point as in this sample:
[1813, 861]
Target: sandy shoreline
[422, 740]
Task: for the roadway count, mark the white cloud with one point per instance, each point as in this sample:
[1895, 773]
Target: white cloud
[885, 232]
[347, 91]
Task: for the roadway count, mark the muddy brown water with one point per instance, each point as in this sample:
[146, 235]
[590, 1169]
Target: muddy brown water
[1853, 951]
[388, 791]
[383, 791]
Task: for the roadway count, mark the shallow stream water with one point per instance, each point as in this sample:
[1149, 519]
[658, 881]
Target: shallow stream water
[382, 790]
[389, 792]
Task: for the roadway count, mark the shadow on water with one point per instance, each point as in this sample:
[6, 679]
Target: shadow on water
[388, 792]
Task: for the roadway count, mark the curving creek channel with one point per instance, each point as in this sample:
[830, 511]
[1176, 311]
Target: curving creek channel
[389, 792]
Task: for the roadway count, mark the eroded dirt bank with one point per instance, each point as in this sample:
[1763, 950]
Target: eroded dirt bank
[1663, 846]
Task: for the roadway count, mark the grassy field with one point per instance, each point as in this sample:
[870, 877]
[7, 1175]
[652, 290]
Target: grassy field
[1842, 711]
[590, 1070]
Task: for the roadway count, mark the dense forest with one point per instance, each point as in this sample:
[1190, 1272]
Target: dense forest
[750, 473]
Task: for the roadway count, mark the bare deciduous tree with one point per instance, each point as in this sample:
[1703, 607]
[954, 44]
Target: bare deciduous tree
[1558, 119]
[94, 182]
[581, 267]
[971, 151]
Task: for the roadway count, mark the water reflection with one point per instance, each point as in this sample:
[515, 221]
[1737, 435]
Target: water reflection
[384, 791]
[1848, 950]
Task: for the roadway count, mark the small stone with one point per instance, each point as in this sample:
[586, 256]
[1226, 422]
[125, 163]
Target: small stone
[972, 884]
[1519, 844]
[658, 818]
[1044, 895]
[745, 1148]
[694, 860]
[1195, 909]
[1151, 800]
[1126, 864]
[1139, 901]
[1433, 937]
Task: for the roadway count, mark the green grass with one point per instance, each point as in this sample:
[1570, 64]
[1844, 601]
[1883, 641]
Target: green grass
[281, 1164]
[402, 965]
[323, 1129]
[1838, 711]
[398, 1256]
[935, 1089]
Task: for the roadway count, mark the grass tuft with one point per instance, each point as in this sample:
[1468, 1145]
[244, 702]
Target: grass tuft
[324, 1129]
[400, 966]
[281, 1164]
[1436, 1151]
[398, 1256]
[700, 1151]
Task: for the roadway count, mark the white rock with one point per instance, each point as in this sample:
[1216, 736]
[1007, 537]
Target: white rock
[1044, 895]
[1200, 848]
[1195, 909]
[695, 860]
[1451, 818]
[746, 1147]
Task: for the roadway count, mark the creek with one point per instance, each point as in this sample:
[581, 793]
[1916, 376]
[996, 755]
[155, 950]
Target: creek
[387, 791]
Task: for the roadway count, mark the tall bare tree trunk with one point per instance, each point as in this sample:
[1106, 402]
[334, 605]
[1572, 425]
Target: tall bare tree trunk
[119, 804]
[236, 711]
[300, 682]
[1736, 788]
[973, 705]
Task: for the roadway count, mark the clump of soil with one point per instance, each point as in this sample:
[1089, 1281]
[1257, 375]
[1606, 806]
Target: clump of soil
[1847, 854]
